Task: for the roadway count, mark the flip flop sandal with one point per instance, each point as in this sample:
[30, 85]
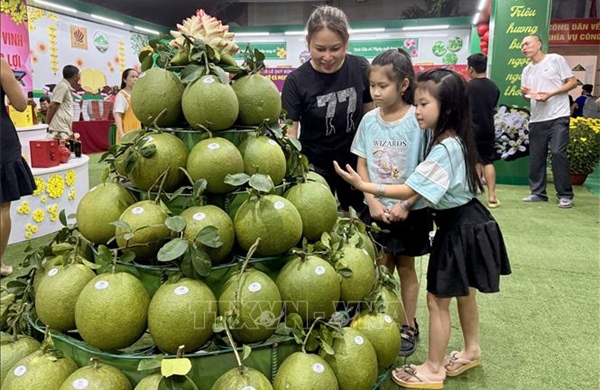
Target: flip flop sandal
[565, 203]
[494, 204]
[6, 270]
[420, 383]
[533, 198]
[465, 364]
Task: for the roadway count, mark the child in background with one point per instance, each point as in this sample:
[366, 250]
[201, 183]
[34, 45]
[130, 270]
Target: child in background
[468, 252]
[389, 146]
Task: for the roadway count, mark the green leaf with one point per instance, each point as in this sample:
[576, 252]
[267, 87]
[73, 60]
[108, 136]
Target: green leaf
[261, 182]
[172, 250]
[221, 74]
[246, 351]
[199, 187]
[218, 325]
[210, 237]
[327, 348]
[237, 180]
[90, 265]
[127, 256]
[197, 72]
[176, 223]
[294, 321]
[121, 225]
[187, 267]
[312, 344]
[129, 269]
[147, 62]
[201, 261]
[148, 151]
[180, 366]
[62, 217]
[103, 255]
[150, 364]
[345, 272]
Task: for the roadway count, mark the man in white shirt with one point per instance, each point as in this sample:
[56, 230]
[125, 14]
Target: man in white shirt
[60, 111]
[545, 82]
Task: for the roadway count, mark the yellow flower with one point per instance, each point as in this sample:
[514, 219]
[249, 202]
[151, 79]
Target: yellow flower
[70, 177]
[39, 186]
[56, 186]
[28, 235]
[44, 199]
[39, 215]
[72, 193]
[34, 229]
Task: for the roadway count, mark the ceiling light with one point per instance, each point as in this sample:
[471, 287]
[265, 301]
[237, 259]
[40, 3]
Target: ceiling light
[144, 29]
[304, 32]
[60, 7]
[108, 20]
[367, 30]
[252, 34]
[476, 18]
[417, 28]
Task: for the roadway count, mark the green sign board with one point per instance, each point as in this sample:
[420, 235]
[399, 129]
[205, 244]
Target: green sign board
[514, 20]
[271, 50]
[371, 49]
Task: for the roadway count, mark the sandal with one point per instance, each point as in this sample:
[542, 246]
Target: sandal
[463, 364]
[6, 270]
[534, 198]
[493, 204]
[565, 203]
[420, 382]
[409, 337]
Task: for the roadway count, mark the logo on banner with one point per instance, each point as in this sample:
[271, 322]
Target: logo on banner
[79, 37]
[101, 41]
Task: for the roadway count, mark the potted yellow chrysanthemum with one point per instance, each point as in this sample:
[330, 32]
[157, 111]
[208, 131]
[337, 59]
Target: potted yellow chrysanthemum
[584, 147]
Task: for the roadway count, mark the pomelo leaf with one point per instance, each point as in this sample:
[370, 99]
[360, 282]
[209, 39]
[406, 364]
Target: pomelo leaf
[194, 75]
[179, 366]
[261, 182]
[294, 321]
[103, 256]
[176, 223]
[150, 364]
[199, 187]
[200, 260]
[91, 265]
[127, 256]
[148, 151]
[121, 225]
[210, 237]
[219, 325]
[172, 250]
[327, 348]
[237, 179]
[345, 272]
[187, 267]
[246, 351]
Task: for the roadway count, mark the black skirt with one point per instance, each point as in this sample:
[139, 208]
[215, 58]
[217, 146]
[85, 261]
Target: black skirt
[468, 251]
[16, 180]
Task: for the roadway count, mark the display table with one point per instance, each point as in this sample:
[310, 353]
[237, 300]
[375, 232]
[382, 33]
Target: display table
[94, 135]
[31, 133]
[60, 187]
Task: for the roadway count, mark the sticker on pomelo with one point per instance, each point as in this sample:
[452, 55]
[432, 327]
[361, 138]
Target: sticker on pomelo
[254, 287]
[272, 142]
[53, 272]
[93, 189]
[181, 290]
[137, 210]
[199, 216]
[320, 270]
[359, 340]
[101, 285]
[388, 319]
[279, 205]
[318, 368]
[208, 80]
[80, 383]
[213, 146]
[20, 370]
[248, 388]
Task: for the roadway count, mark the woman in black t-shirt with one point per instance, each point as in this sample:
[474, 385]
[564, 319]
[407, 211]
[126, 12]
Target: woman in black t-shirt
[326, 98]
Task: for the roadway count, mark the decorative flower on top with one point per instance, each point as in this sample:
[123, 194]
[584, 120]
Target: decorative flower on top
[206, 28]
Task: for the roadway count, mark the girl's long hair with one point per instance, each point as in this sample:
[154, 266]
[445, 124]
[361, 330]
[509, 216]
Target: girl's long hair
[450, 90]
[400, 68]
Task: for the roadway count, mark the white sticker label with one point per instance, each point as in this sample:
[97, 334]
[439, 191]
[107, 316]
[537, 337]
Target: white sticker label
[199, 216]
[254, 287]
[359, 340]
[320, 270]
[53, 272]
[318, 368]
[388, 319]
[20, 370]
[80, 383]
[101, 284]
[208, 80]
[141, 75]
[93, 189]
[272, 142]
[148, 138]
[248, 388]
[137, 210]
[279, 205]
[181, 290]
[213, 146]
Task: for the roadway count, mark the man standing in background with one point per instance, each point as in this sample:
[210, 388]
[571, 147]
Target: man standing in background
[546, 82]
[60, 111]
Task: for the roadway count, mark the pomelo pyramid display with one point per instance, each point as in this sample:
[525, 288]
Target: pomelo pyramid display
[171, 153]
[209, 103]
[101, 206]
[182, 313]
[112, 310]
[317, 207]
[272, 218]
[354, 361]
[213, 159]
[39, 370]
[357, 286]
[309, 286]
[258, 98]
[383, 333]
[199, 217]
[247, 379]
[156, 90]
[57, 294]
[96, 376]
[257, 302]
[147, 222]
[11, 351]
[305, 371]
[264, 155]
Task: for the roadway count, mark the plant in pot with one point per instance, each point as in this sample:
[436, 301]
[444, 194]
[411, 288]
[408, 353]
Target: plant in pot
[583, 151]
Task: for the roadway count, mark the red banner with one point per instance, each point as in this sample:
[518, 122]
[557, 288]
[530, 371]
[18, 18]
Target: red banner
[574, 32]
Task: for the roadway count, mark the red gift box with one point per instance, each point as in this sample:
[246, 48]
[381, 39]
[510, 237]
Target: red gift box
[44, 153]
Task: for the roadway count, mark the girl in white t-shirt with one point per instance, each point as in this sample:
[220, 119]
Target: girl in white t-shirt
[125, 119]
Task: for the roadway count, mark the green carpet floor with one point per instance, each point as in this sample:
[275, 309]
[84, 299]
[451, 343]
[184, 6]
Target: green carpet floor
[542, 331]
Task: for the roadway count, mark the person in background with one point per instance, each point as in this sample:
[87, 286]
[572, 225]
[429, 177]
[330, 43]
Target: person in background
[326, 98]
[43, 111]
[468, 251]
[572, 106]
[389, 146]
[483, 98]
[60, 111]
[16, 179]
[546, 82]
[125, 119]
[586, 93]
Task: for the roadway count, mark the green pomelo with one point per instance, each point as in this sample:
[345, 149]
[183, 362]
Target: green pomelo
[305, 371]
[368, 245]
[47, 264]
[39, 371]
[156, 90]
[182, 313]
[152, 382]
[314, 176]
[209, 103]
[171, 153]
[12, 351]
[259, 305]
[309, 287]
[129, 137]
[111, 311]
[357, 286]
[354, 361]
[264, 155]
[101, 206]
[97, 377]
[199, 217]
[235, 203]
[317, 207]
[393, 305]
[147, 222]
[213, 159]
[259, 100]
[383, 333]
[57, 293]
[249, 379]
[272, 218]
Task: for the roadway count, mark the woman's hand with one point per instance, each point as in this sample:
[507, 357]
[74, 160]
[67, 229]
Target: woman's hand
[398, 213]
[350, 175]
[378, 211]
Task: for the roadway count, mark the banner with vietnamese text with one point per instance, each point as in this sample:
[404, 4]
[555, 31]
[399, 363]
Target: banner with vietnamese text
[575, 32]
[14, 41]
